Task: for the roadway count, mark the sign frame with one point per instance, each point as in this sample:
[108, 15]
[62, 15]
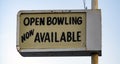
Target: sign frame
[93, 36]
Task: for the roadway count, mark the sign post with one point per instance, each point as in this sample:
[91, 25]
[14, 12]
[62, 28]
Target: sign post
[94, 4]
[94, 58]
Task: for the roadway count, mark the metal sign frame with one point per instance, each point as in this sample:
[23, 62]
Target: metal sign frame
[93, 36]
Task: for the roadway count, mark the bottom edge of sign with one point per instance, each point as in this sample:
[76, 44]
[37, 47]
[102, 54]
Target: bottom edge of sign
[60, 53]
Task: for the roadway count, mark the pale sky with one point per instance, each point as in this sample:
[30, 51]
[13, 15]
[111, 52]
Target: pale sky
[110, 31]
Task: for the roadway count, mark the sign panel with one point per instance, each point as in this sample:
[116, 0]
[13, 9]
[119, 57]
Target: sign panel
[53, 31]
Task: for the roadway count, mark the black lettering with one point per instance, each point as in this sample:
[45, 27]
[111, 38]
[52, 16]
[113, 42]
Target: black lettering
[78, 36]
[54, 20]
[48, 20]
[37, 38]
[63, 37]
[70, 20]
[26, 21]
[32, 20]
[79, 20]
[47, 37]
[56, 37]
[73, 35]
[23, 38]
[37, 21]
[42, 21]
[69, 36]
[27, 35]
[74, 20]
[61, 20]
[51, 36]
[42, 37]
[66, 23]
[31, 32]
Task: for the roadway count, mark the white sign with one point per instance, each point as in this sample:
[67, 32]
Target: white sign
[51, 32]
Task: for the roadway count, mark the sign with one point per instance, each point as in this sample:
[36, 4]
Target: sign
[55, 33]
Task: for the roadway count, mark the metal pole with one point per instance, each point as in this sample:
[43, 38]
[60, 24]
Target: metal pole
[95, 58]
[95, 55]
[94, 4]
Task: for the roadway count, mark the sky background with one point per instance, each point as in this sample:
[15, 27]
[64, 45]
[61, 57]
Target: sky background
[110, 31]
